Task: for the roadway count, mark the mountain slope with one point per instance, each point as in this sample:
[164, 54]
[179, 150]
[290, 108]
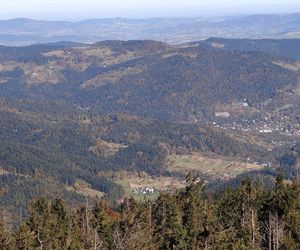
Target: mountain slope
[182, 83]
[289, 48]
[74, 116]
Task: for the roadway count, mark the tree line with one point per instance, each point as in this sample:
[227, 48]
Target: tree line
[248, 217]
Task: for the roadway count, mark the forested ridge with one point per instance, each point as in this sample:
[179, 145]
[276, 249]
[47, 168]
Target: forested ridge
[248, 217]
[147, 78]
[55, 152]
[75, 119]
[282, 47]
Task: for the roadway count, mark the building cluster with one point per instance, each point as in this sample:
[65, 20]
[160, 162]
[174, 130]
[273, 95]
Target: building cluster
[145, 190]
[283, 124]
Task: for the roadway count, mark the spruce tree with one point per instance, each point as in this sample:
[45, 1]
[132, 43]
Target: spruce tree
[25, 238]
[102, 224]
[6, 241]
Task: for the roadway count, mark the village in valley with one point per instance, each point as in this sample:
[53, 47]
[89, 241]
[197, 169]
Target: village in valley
[241, 118]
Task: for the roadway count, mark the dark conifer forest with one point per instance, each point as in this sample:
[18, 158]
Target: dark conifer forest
[246, 217]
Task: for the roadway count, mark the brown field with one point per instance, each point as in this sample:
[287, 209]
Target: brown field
[297, 88]
[159, 184]
[111, 77]
[217, 45]
[36, 74]
[88, 192]
[289, 66]
[56, 53]
[212, 166]
[4, 79]
[96, 52]
[82, 188]
[106, 149]
[191, 55]
[3, 172]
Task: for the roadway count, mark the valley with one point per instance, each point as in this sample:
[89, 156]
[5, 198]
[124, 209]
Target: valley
[119, 119]
[150, 125]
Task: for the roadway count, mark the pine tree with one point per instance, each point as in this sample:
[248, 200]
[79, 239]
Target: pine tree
[25, 238]
[39, 223]
[238, 212]
[83, 227]
[197, 214]
[60, 230]
[134, 230]
[6, 241]
[291, 227]
[276, 208]
[167, 217]
[76, 240]
[103, 224]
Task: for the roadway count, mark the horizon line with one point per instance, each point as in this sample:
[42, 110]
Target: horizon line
[75, 20]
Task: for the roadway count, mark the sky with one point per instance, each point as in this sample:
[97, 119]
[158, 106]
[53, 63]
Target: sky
[87, 9]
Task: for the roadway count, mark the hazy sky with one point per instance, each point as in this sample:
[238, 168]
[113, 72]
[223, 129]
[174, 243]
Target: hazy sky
[83, 9]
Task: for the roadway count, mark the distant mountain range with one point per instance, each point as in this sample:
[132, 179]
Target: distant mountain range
[172, 30]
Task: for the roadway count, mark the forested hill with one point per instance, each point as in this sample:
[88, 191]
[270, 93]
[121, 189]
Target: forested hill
[183, 83]
[44, 152]
[286, 47]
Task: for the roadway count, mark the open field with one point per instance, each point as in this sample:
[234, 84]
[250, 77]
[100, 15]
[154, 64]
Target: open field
[106, 149]
[289, 66]
[3, 172]
[90, 192]
[209, 165]
[82, 188]
[212, 166]
[159, 184]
